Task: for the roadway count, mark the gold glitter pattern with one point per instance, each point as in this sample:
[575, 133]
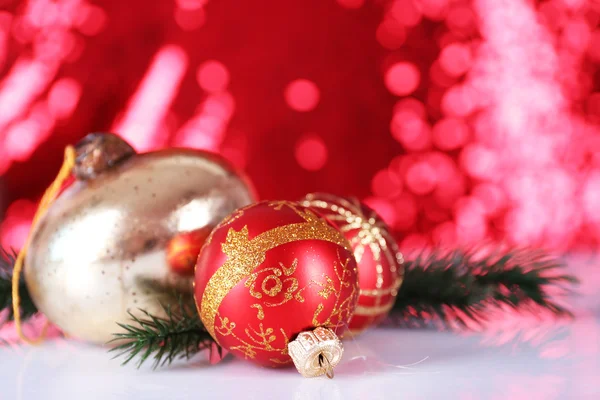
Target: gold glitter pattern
[244, 255]
[257, 340]
[228, 220]
[371, 233]
[276, 285]
[342, 309]
[262, 340]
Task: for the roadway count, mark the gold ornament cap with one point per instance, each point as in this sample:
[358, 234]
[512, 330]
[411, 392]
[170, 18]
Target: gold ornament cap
[316, 352]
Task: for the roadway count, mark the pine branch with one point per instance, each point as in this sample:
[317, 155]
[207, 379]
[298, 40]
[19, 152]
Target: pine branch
[28, 309]
[460, 286]
[178, 336]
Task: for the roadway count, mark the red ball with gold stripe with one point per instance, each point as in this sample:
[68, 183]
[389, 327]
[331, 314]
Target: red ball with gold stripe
[380, 263]
[269, 272]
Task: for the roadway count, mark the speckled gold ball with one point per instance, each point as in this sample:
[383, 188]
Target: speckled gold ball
[100, 251]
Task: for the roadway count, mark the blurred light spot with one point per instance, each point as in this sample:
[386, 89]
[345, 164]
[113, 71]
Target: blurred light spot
[191, 4]
[406, 212]
[410, 130]
[591, 198]
[42, 13]
[456, 59]
[421, 178]
[353, 4]
[383, 208]
[63, 97]
[22, 209]
[190, 19]
[491, 197]
[414, 244]
[54, 46]
[402, 78]
[594, 46]
[76, 49]
[450, 133]
[460, 19]
[385, 184]
[406, 12]
[447, 192]
[447, 39]
[152, 99]
[444, 165]
[552, 14]
[471, 225]
[593, 104]
[94, 21]
[576, 35]
[439, 76]
[23, 137]
[5, 20]
[433, 211]
[434, 9]
[15, 226]
[478, 161]
[311, 152]
[212, 76]
[14, 234]
[456, 102]
[302, 95]
[444, 234]
[206, 130]
[22, 30]
[23, 83]
[390, 34]
[411, 105]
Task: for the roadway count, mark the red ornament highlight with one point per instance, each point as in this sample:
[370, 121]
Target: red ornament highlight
[380, 263]
[270, 271]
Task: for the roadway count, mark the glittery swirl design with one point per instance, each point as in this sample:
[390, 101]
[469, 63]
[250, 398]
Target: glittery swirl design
[278, 277]
[349, 216]
[244, 255]
[342, 309]
[262, 340]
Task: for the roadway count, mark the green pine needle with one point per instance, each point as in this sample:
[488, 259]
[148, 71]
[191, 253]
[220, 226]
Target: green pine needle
[28, 309]
[178, 336]
[460, 287]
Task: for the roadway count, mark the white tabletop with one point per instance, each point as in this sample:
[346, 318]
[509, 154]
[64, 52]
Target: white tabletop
[512, 357]
[543, 361]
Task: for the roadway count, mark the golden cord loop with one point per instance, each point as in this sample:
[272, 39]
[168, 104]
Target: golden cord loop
[47, 199]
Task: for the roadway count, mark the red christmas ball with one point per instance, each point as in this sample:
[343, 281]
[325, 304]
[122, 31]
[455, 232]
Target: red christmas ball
[380, 263]
[183, 249]
[270, 271]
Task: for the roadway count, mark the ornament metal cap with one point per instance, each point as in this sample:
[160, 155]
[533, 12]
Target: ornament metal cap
[316, 352]
[98, 152]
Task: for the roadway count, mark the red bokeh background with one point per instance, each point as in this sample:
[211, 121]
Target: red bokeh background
[459, 121]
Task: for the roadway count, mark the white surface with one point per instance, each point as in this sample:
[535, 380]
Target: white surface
[514, 359]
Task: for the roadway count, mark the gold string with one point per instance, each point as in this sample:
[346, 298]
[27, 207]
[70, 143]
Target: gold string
[47, 199]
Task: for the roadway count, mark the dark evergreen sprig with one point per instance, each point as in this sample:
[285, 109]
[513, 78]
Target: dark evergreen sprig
[28, 309]
[461, 286]
[440, 287]
[458, 286]
[179, 335]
